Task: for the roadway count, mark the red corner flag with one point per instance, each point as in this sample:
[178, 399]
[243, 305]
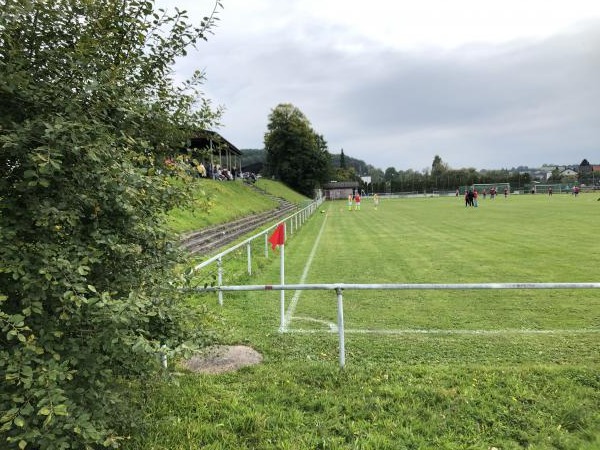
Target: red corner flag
[278, 236]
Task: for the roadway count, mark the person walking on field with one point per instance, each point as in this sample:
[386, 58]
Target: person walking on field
[357, 202]
[469, 196]
[349, 202]
[376, 201]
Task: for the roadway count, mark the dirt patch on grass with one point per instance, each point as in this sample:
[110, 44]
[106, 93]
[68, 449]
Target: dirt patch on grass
[223, 358]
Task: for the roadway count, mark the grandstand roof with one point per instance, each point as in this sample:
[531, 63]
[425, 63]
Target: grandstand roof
[206, 139]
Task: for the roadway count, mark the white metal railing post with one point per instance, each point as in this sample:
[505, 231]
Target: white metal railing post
[340, 324]
[220, 279]
[266, 246]
[249, 252]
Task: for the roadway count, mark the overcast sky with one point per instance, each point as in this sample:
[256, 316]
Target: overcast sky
[488, 84]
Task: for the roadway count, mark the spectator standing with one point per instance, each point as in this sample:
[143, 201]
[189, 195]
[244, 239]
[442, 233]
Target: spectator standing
[201, 170]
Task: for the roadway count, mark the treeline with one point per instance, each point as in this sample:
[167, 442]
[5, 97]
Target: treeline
[439, 178]
[446, 180]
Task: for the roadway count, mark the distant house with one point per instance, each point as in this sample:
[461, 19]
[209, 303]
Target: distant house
[336, 190]
[568, 172]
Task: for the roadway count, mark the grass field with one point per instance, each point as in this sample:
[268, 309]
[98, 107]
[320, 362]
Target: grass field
[503, 369]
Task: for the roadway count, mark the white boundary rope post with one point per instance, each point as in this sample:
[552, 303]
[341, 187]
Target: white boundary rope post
[340, 324]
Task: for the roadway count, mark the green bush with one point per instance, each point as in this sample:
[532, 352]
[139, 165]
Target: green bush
[88, 114]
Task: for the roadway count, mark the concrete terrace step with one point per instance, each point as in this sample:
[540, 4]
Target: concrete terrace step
[211, 239]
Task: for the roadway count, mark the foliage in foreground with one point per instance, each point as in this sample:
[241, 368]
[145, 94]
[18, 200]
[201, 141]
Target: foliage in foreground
[88, 114]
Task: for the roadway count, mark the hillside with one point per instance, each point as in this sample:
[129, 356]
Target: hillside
[219, 202]
[255, 158]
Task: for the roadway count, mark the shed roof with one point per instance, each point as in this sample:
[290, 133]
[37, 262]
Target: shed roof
[340, 185]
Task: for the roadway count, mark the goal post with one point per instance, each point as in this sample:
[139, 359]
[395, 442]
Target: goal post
[545, 188]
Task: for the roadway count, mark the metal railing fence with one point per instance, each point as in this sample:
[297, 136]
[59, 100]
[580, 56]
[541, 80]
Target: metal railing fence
[292, 223]
[340, 287]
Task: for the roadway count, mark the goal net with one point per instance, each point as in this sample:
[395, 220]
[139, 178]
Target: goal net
[545, 188]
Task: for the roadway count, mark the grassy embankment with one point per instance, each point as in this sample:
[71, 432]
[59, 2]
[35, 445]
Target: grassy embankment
[483, 369]
[222, 201]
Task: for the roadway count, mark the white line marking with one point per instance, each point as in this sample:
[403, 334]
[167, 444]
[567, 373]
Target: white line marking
[332, 326]
[296, 297]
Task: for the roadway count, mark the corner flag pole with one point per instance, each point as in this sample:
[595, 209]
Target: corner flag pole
[278, 239]
[282, 278]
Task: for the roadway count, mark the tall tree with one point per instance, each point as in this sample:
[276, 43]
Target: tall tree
[342, 160]
[438, 167]
[296, 155]
[390, 173]
[88, 114]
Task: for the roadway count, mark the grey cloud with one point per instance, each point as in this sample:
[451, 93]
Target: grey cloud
[485, 106]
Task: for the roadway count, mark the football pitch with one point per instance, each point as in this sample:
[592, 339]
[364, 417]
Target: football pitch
[451, 369]
[527, 239]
